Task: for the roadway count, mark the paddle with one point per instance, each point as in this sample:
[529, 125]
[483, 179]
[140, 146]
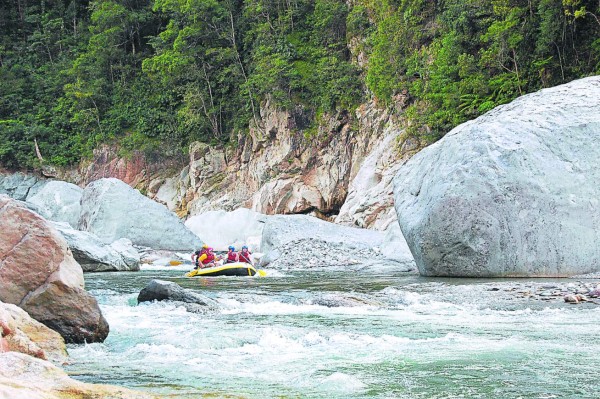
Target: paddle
[261, 272]
[175, 263]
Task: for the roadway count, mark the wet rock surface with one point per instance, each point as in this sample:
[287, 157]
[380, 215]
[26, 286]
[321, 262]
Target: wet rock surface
[160, 290]
[25, 335]
[23, 376]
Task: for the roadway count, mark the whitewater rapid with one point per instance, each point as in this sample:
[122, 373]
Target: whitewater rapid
[331, 335]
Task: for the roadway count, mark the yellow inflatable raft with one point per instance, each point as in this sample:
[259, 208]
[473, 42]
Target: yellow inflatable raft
[228, 269]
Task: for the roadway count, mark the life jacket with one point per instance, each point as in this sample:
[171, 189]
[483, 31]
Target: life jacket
[231, 257]
[246, 257]
[209, 256]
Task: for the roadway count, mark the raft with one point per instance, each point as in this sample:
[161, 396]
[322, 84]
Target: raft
[228, 269]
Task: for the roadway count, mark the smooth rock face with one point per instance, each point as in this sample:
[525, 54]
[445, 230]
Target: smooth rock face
[59, 201]
[161, 290]
[513, 193]
[24, 334]
[220, 229]
[370, 201]
[38, 273]
[95, 256]
[23, 376]
[19, 185]
[112, 210]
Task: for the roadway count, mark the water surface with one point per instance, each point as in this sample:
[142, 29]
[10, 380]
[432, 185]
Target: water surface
[334, 334]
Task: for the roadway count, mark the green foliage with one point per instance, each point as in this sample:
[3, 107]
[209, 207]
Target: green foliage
[459, 59]
[154, 75]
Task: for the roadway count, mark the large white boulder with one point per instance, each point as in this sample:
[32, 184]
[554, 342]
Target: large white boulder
[58, 201]
[111, 210]
[95, 256]
[515, 192]
[220, 228]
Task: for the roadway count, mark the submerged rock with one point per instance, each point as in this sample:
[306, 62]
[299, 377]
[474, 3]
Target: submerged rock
[160, 290]
[511, 193]
[23, 376]
[23, 334]
[58, 201]
[95, 256]
[112, 210]
[39, 274]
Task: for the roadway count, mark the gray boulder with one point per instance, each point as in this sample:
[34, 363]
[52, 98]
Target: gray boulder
[160, 290]
[20, 185]
[512, 193]
[111, 210]
[58, 201]
[95, 256]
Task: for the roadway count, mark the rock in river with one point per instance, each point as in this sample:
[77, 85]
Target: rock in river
[39, 274]
[95, 256]
[161, 290]
[112, 210]
[514, 192]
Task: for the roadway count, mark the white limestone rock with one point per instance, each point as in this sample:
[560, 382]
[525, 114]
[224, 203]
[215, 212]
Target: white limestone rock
[58, 201]
[111, 210]
[514, 192]
[95, 256]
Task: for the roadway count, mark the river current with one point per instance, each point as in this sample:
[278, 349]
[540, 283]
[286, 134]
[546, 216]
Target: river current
[340, 334]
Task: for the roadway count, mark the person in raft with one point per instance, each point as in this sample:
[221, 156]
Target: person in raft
[232, 256]
[204, 257]
[245, 255]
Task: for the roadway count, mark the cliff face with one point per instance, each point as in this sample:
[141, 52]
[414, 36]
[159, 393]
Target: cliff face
[277, 169]
[342, 172]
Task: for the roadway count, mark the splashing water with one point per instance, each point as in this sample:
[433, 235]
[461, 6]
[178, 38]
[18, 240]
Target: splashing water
[331, 335]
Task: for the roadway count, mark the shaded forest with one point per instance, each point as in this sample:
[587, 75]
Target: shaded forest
[154, 75]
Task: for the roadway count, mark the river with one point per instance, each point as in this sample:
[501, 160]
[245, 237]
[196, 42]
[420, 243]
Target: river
[337, 334]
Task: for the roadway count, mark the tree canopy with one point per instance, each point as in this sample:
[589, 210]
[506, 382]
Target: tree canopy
[154, 75]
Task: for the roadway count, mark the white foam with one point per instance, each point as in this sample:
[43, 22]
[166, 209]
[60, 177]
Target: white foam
[343, 382]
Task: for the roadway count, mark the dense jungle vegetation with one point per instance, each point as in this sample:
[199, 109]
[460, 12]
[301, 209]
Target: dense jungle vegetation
[157, 74]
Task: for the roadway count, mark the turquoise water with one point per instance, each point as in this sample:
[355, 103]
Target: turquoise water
[331, 334]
